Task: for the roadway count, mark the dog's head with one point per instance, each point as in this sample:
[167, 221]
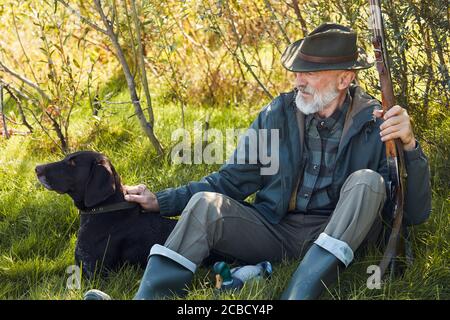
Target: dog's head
[87, 177]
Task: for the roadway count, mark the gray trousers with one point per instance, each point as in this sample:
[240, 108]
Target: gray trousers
[218, 223]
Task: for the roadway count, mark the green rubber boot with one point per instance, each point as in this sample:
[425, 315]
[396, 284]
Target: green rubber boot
[95, 294]
[318, 270]
[167, 274]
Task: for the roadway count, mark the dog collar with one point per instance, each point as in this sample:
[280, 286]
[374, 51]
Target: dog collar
[111, 208]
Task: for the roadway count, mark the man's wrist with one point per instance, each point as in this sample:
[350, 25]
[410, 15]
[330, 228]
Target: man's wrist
[155, 205]
[410, 146]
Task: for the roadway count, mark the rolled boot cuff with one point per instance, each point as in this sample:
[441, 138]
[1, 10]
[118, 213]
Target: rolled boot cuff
[338, 248]
[175, 256]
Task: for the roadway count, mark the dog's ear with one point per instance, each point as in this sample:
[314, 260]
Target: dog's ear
[100, 185]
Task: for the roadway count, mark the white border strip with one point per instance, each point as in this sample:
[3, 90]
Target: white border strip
[338, 248]
[175, 256]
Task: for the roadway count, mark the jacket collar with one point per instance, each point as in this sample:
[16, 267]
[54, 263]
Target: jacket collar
[359, 112]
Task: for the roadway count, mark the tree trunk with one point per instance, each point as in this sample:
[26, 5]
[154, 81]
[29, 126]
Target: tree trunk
[145, 125]
[5, 128]
[140, 57]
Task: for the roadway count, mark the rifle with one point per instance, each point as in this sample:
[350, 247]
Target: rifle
[394, 148]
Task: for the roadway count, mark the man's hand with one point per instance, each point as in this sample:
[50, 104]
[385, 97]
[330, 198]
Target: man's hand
[140, 194]
[397, 124]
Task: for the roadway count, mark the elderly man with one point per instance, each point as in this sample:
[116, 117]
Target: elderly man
[326, 199]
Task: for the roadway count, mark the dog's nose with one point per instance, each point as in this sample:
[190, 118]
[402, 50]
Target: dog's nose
[39, 170]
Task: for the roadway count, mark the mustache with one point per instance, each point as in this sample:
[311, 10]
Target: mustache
[306, 89]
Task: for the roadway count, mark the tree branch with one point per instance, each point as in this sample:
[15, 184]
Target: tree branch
[25, 80]
[299, 17]
[21, 44]
[277, 21]
[20, 93]
[19, 104]
[83, 18]
[140, 57]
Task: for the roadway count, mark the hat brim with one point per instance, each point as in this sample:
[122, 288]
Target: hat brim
[292, 62]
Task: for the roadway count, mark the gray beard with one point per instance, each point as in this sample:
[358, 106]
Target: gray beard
[319, 100]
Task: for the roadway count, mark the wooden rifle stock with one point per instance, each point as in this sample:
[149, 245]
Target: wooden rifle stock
[394, 148]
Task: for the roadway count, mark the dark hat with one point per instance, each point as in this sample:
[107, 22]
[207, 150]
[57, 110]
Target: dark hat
[329, 47]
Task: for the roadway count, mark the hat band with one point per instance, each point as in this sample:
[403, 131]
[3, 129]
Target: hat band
[317, 59]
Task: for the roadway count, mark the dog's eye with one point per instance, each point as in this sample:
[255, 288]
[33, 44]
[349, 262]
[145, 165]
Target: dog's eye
[71, 162]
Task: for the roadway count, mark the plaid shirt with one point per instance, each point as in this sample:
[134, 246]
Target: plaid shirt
[322, 138]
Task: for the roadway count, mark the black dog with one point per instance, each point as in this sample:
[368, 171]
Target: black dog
[112, 231]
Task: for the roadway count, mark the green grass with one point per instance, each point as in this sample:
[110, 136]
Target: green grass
[38, 227]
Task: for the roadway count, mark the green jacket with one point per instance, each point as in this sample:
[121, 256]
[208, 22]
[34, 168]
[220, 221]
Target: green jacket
[360, 148]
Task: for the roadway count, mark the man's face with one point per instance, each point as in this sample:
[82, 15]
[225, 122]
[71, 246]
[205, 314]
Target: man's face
[316, 89]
